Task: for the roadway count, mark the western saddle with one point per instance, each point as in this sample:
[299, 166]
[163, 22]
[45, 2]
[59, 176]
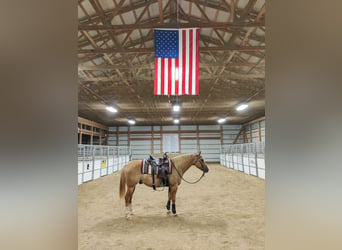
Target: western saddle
[160, 166]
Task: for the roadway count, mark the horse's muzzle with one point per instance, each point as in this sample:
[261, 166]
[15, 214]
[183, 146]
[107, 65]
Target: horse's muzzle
[205, 169]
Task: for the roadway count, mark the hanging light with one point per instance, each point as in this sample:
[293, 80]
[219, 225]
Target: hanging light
[176, 120]
[111, 109]
[131, 121]
[176, 107]
[221, 120]
[242, 106]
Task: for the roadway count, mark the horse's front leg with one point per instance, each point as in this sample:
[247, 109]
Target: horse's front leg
[168, 205]
[173, 198]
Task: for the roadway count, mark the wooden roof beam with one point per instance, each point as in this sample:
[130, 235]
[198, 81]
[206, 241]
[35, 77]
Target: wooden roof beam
[181, 25]
[151, 66]
[150, 78]
[118, 11]
[151, 50]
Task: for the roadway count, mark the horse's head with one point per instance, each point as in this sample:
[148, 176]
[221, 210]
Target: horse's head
[200, 163]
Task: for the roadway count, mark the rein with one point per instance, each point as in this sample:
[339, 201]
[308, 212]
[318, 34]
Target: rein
[182, 176]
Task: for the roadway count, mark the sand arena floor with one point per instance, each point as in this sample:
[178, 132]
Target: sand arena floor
[225, 210]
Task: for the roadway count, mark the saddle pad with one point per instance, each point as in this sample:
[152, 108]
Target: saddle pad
[146, 167]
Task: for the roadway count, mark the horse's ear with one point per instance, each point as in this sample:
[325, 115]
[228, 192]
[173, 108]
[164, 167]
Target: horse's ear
[199, 153]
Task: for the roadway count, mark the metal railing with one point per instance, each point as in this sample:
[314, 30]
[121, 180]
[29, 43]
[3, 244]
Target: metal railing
[95, 161]
[248, 158]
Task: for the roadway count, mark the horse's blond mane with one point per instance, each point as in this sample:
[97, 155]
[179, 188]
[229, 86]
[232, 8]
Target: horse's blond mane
[179, 159]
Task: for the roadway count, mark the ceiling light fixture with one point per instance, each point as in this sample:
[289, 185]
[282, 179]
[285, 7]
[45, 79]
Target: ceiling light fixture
[131, 121]
[176, 121]
[111, 109]
[176, 107]
[221, 120]
[242, 107]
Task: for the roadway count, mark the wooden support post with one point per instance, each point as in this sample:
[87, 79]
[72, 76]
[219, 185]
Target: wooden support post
[129, 136]
[197, 138]
[92, 135]
[152, 141]
[80, 133]
[161, 139]
[259, 127]
[221, 130]
[179, 140]
[238, 135]
[244, 135]
[250, 133]
[117, 136]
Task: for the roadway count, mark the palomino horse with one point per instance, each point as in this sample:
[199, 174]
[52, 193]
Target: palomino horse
[131, 175]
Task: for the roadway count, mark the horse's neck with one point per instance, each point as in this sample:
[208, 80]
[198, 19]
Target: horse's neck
[184, 163]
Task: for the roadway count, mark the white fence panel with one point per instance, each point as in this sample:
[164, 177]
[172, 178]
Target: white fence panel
[95, 161]
[248, 158]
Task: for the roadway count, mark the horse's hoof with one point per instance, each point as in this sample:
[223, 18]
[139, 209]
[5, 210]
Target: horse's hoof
[168, 212]
[175, 215]
[128, 217]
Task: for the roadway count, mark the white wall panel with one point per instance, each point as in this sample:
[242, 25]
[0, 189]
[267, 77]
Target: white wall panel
[188, 127]
[156, 128]
[231, 127]
[141, 128]
[210, 148]
[141, 149]
[140, 136]
[188, 134]
[188, 142]
[170, 128]
[145, 143]
[123, 128]
[209, 127]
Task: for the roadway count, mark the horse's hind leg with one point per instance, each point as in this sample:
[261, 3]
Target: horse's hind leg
[168, 201]
[128, 200]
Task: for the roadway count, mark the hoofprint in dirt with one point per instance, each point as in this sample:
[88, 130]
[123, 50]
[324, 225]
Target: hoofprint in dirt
[225, 210]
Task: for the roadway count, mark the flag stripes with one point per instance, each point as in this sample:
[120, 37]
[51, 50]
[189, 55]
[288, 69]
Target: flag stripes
[179, 76]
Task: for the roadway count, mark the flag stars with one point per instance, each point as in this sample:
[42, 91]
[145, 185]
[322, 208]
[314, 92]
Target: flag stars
[166, 43]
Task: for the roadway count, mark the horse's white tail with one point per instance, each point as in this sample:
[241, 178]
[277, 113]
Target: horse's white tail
[122, 183]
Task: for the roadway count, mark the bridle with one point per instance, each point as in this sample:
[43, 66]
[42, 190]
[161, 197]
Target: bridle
[202, 164]
[198, 158]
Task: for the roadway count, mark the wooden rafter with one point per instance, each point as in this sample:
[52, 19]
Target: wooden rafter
[151, 50]
[200, 77]
[181, 25]
[151, 66]
[116, 59]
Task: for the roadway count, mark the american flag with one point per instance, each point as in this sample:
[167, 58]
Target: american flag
[176, 61]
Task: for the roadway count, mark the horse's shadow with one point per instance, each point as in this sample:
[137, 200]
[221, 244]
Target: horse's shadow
[157, 221]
